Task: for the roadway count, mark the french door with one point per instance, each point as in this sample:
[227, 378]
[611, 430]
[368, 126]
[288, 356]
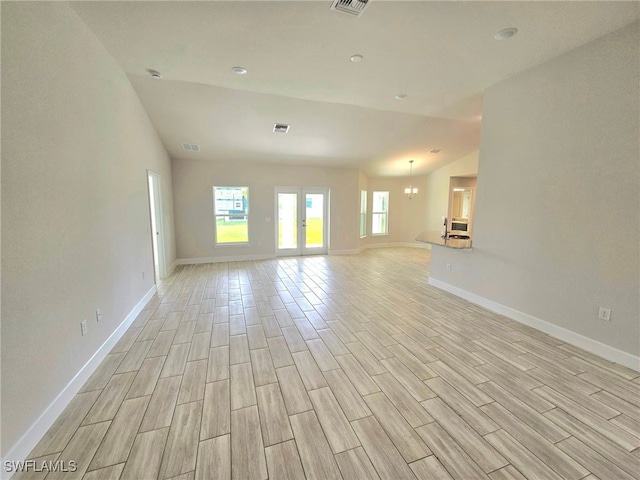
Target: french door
[302, 221]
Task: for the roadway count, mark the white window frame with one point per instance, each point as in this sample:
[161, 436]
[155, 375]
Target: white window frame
[218, 215]
[363, 213]
[385, 213]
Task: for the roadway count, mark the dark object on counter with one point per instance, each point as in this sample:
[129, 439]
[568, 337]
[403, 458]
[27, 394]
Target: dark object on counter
[461, 237]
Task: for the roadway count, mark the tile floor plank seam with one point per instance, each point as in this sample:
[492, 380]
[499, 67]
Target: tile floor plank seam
[109, 429]
[298, 349]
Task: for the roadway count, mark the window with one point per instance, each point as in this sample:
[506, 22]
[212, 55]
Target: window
[231, 211]
[379, 214]
[363, 213]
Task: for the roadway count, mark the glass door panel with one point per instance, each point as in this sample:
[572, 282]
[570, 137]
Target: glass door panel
[314, 225]
[287, 221]
[302, 220]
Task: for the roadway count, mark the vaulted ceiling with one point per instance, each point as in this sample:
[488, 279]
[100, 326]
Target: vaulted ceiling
[440, 54]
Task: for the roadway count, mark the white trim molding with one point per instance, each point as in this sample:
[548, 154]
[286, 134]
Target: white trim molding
[232, 258]
[593, 346]
[354, 251]
[172, 267]
[361, 249]
[421, 245]
[21, 449]
[244, 258]
[398, 244]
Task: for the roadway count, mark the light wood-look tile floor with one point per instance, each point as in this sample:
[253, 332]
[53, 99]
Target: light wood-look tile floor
[342, 367]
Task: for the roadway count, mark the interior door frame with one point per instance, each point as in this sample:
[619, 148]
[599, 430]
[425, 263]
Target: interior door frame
[301, 248]
[157, 213]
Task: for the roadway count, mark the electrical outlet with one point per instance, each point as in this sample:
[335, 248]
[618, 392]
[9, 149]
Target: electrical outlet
[604, 314]
[98, 315]
[83, 327]
[449, 266]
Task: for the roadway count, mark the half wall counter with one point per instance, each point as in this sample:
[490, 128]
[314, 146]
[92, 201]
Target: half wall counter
[435, 238]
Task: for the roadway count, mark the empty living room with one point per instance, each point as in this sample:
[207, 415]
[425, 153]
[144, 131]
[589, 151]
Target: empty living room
[320, 239]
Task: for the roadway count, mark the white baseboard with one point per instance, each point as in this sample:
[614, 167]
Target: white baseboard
[398, 244]
[243, 258]
[232, 258]
[422, 245]
[34, 434]
[425, 246]
[172, 268]
[598, 348]
[346, 252]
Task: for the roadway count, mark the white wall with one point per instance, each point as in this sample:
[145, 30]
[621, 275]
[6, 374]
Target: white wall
[193, 199]
[193, 181]
[76, 144]
[557, 214]
[406, 216]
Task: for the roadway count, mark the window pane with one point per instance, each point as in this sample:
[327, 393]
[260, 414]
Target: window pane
[380, 201]
[379, 223]
[363, 213]
[232, 229]
[379, 214]
[231, 207]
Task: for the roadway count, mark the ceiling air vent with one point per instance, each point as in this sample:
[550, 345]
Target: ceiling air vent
[191, 147]
[352, 7]
[280, 128]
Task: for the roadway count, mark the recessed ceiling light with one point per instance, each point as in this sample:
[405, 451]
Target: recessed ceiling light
[239, 70]
[506, 33]
[401, 96]
[356, 58]
[155, 74]
[435, 150]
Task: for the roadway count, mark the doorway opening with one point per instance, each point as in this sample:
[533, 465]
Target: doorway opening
[155, 209]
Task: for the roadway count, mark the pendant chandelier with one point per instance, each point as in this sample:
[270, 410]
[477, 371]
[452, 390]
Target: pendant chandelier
[410, 191]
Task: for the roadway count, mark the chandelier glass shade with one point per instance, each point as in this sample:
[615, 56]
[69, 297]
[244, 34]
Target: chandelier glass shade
[410, 191]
